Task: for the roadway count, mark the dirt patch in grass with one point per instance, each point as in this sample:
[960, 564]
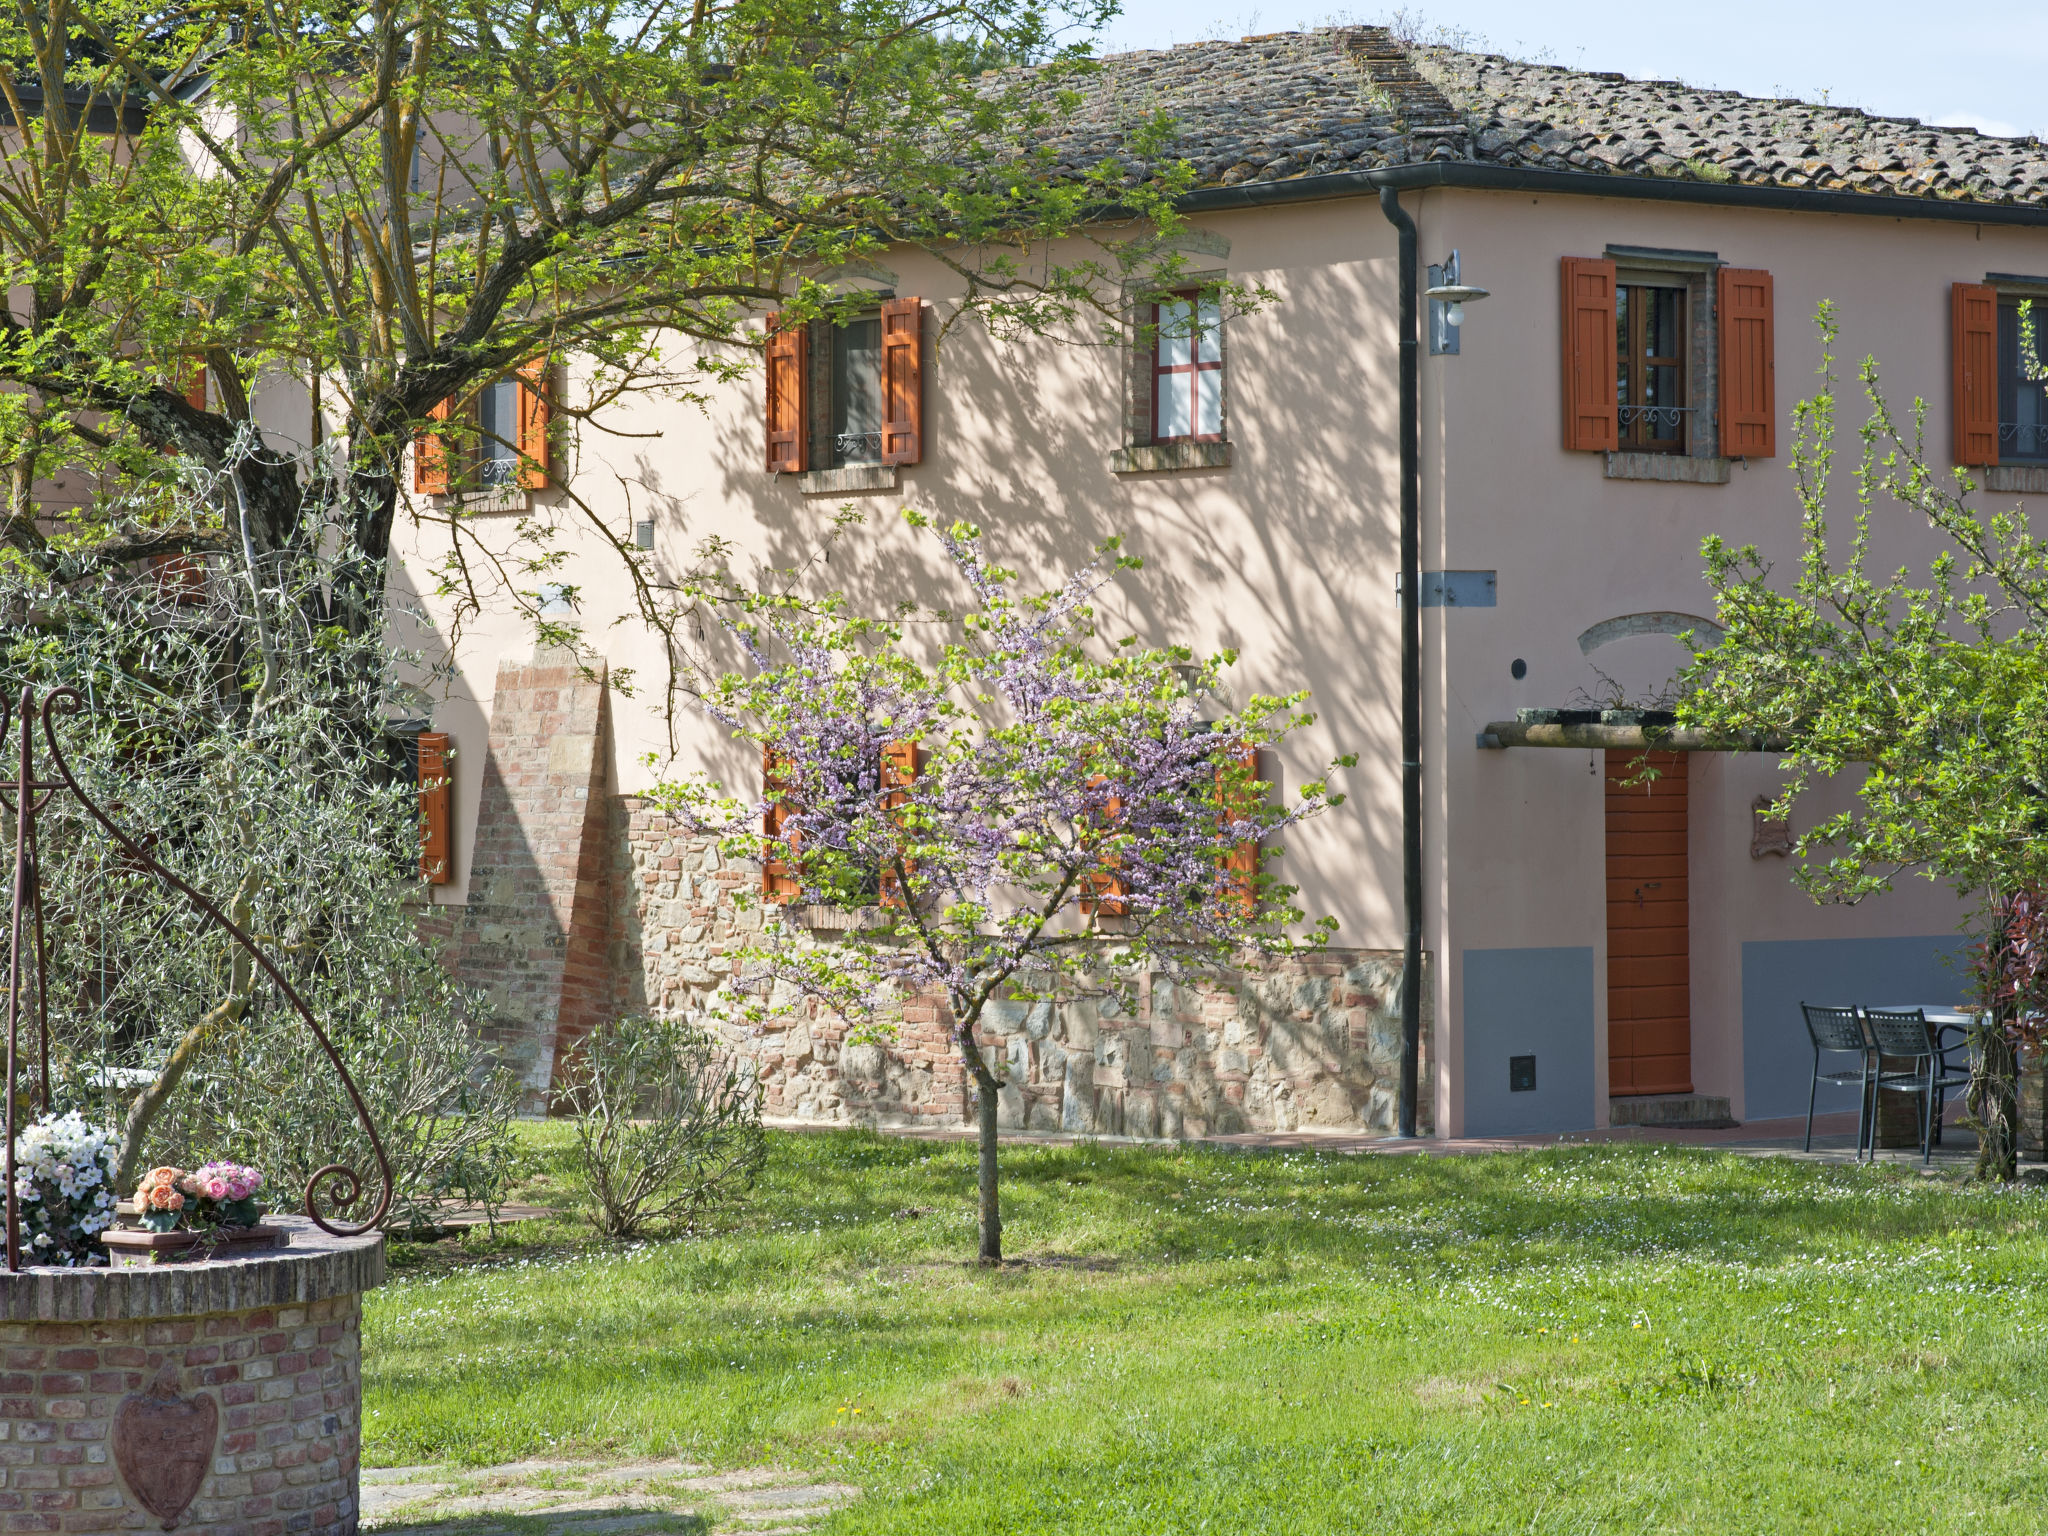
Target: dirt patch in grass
[1452, 1392]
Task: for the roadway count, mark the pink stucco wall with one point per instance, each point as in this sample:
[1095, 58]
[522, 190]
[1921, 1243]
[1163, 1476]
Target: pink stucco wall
[1289, 554]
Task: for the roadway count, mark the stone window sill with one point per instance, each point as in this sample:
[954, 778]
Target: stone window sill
[2017, 479]
[1147, 458]
[1675, 467]
[821, 919]
[848, 477]
[501, 498]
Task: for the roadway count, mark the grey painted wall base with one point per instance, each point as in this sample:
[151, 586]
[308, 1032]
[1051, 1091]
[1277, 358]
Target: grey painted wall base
[1778, 975]
[1528, 1002]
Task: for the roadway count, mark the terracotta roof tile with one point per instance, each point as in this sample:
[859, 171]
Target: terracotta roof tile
[1296, 104]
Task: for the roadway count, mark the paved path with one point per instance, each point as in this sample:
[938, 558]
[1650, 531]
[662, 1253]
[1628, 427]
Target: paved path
[581, 1498]
[1834, 1141]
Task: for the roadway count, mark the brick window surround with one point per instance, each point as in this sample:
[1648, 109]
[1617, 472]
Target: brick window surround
[1142, 450]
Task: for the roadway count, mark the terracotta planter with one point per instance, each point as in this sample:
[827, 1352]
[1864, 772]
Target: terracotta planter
[129, 1247]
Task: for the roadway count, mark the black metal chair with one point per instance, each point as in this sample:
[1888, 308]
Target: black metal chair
[1839, 1031]
[1905, 1033]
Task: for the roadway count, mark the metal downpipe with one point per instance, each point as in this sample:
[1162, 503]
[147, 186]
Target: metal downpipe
[1411, 662]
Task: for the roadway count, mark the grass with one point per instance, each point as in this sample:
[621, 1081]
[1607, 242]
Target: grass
[1588, 1339]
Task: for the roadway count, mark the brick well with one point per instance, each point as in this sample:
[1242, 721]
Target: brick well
[274, 1341]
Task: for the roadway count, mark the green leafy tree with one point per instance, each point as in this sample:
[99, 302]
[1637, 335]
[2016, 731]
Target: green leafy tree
[240, 741]
[1018, 810]
[388, 204]
[1929, 690]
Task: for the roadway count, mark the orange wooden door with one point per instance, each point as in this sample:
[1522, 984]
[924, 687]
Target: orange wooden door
[1649, 958]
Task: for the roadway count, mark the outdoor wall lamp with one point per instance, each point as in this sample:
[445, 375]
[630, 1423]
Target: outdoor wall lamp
[1451, 292]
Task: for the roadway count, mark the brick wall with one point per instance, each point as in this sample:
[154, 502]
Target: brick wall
[1313, 1044]
[288, 1384]
[535, 930]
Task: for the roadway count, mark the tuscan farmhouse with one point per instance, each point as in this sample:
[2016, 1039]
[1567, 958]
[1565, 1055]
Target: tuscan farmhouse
[1630, 272]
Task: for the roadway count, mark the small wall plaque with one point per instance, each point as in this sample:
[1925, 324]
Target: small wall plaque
[1521, 1074]
[1768, 833]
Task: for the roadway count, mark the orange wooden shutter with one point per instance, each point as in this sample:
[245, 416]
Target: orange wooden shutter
[181, 578]
[435, 862]
[534, 463]
[430, 458]
[789, 395]
[195, 386]
[1103, 891]
[1241, 863]
[903, 381]
[779, 884]
[899, 771]
[1973, 345]
[1590, 422]
[1749, 381]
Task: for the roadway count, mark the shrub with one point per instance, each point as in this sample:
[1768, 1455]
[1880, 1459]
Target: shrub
[442, 1106]
[64, 1183]
[668, 1126]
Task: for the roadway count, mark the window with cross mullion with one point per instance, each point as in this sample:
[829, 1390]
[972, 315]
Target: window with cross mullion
[2022, 392]
[1187, 369]
[1649, 386]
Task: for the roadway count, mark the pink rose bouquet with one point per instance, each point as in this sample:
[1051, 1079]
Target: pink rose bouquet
[213, 1195]
[227, 1195]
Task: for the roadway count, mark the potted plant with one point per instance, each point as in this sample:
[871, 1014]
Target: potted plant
[64, 1189]
[197, 1214]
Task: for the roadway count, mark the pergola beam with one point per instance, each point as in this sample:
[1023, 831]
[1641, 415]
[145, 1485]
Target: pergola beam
[1622, 738]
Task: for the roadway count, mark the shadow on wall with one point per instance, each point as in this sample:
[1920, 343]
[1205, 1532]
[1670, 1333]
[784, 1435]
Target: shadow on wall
[1779, 975]
[1287, 555]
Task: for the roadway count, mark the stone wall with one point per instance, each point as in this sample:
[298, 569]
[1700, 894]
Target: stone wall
[1312, 1044]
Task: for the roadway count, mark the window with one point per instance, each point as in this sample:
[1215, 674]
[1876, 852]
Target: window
[499, 444]
[849, 395]
[497, 449]
[857, 391]
[2022, 392]
[1187, 369]
[1649, 380]
[1669, 363]
[788, 876]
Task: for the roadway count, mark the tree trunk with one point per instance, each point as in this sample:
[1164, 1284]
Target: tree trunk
[987, 1088]
[149, 1103]
[1994, 1103]
[991, 1210]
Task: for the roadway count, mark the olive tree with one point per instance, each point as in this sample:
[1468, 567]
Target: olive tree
[237, 735]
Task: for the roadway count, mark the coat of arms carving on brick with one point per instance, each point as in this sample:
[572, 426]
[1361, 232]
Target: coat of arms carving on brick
[163, 1444]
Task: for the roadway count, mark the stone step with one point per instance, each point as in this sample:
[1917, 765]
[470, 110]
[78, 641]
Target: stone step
[1672, 1111]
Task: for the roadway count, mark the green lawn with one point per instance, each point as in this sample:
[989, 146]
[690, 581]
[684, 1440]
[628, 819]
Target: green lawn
[1591, 1339]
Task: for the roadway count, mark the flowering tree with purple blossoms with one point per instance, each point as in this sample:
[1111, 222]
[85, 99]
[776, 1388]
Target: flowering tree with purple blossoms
[1025, 811]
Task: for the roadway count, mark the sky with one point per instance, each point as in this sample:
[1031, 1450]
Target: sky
[1984, 64]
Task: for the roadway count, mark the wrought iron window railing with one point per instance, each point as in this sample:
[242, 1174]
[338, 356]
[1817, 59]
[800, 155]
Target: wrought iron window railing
[2024, 439]
[858, 447]
[1662, 420]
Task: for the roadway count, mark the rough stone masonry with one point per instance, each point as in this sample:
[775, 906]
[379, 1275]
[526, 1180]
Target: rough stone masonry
[587, 905]
[1312, 1044]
